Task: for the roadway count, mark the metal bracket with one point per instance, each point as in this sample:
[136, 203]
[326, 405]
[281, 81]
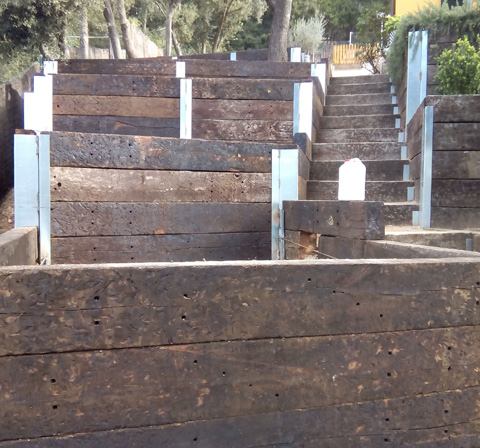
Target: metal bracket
[425, 205]
[186, 108]
[285, 164]
[303, 108]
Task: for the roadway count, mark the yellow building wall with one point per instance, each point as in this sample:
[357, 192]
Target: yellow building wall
[405, 6]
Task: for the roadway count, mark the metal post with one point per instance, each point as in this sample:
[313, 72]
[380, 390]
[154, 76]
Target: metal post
[320, 71]
[50, 67]
[180, 69]
[44, 198]
[295, 54]
[186, 108]
[303, 108]
[416, 71]
[38, 105]
[285, 164]
[425, 205]
[26, 183]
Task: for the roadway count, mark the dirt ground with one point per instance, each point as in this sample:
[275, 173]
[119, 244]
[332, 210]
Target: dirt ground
[6, 212]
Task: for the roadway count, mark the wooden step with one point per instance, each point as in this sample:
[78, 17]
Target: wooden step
[451, 239]
[375, 191]
[369, 109]
[399, 213]
[377, 170]
[368, 79]
[358, 122]
[364, 151]
[359, 89]
[359, 99]
[357, 135]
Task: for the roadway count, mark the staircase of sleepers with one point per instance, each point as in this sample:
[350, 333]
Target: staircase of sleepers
[360, 121]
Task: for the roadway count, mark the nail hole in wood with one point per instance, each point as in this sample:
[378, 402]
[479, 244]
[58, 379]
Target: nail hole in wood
[381, 315]
[184, 317]
[449, 348]
[390, 353]
[358, 303]
[446, 411]
[277, 395]
[97, 322]
[53, 380]
[387, 419]
[59, 184]
[54, 406]
[195, 361]
[389, 374]
[96, 298]
[309, 279]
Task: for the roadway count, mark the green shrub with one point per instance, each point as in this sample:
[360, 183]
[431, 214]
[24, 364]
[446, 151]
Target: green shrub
[460, 21]
[459, 69]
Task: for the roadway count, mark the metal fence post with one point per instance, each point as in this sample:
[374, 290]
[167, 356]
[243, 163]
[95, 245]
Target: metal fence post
[44, 198]
[285, 163]
[425, 201]
[303, 108]
[186, 108]
[320, 71]
[25, 174]
[295, 54]
[416, 71]
[180, 69]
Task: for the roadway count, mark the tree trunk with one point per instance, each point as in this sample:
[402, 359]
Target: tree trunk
[217, 41]
[125, 25]
[172, 7]
[277, 48]
[168, 29]
[112, 30]
[176, 44]
[271, 4]
[84, 47]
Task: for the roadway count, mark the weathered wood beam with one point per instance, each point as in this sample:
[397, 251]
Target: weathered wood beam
[81, 150]
[353, 219]
[122, 219]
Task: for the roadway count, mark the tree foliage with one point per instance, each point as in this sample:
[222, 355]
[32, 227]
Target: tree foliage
[308, 33]
[460, 21]
[373, 35]
[459, 69]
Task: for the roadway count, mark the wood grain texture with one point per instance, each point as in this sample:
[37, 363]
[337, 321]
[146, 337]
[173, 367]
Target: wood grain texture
[155, 127]
[456, 165]
[101, 185]
[123, 219]
[245, 130]
[194, 68]
[144, 66]
[407, 422]
[362, 220]
[375, 191]
[116, 85]
[243, 89]
[120, 106]
[160, 304]
[455, 193]
[456, 136]
[137, 152]
[456, 218]
[455, 108]
[161, 385]
[161, 248]
[357, 135]
[242, 110]
[347, 248]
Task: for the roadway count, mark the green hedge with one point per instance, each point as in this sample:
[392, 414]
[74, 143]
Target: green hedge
[459, 21]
